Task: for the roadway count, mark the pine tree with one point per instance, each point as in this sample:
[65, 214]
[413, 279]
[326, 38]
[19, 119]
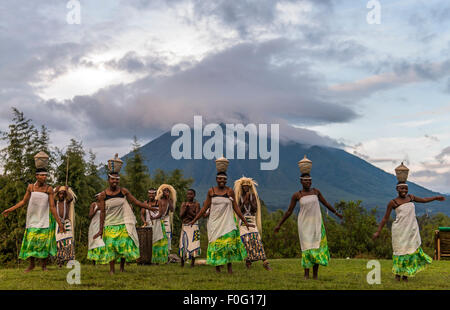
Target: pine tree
[137, 177]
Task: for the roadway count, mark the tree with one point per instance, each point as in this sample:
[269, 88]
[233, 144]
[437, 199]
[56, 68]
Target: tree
[23, 142]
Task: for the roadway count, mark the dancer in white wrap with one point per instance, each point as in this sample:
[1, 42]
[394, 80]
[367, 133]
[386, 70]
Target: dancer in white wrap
[225, 245]
[408, 257]
[313, 240]
[39, 237]
[96, 247]
[65, 208]
[117, 221]
[160, 248]
[167, 200]
[248, 201]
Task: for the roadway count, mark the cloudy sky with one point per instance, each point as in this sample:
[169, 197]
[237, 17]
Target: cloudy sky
[316, 67]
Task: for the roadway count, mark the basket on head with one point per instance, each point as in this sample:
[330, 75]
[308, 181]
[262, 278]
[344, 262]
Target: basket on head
[114, 165]
[305, 165]
[222, 164]
[41, 160]
[402, 173]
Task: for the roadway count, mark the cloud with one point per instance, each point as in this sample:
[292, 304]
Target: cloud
[441, 157]
[403, 73]
[244, 16]
[239, 85]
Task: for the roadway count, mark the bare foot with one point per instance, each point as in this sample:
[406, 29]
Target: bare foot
[111, 272]
[405, 279]
[44, 268]
[306, 277]
[397, 277]
[218, 269]
[267, 266]
[29, 269]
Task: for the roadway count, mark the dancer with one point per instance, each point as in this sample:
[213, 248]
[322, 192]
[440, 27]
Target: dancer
[96, 247]
[225, 245]
[313, 239]
[190, 235]
[117, 221]
[408, 257]
[160, 247]
[65, 207]
[167, 199]
[39, 238]
[248, 201]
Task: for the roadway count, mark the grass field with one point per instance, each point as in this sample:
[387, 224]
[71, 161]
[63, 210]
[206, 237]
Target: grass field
[287, 274]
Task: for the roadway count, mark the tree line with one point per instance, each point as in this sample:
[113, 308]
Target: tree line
[350, 237]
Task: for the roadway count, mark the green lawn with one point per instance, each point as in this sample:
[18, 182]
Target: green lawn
[287, 274]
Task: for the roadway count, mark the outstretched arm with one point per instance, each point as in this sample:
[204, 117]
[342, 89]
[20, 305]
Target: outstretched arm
[326, 204]
[21, 203]
[133, 199]
[384, 220]
[426, 200]
[288, 212]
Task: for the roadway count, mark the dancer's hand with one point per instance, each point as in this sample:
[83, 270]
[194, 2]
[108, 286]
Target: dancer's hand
[440, 198]
[339, 216]
[249, 225]
[99, 234]
[375, 235]
[6, 212]
[145, 224]
[62, 229]
[277, 229]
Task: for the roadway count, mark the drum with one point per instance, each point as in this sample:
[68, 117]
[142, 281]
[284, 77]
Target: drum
[145, 245]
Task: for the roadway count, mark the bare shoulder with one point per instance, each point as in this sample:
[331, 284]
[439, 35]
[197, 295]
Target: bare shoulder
[102, 195]
[124, 191]
[49, 190]
[391, 203]
[296, 196]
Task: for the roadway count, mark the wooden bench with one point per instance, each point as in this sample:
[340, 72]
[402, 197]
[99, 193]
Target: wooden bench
[442, 244]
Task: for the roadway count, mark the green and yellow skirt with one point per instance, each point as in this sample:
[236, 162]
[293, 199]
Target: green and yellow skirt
[39, 242]
[319, 256]
[96, 254]
[118, 245]
[226, 249]
[410, 264]
[160, 249]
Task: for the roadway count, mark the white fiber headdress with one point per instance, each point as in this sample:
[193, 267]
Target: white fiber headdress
[172, 195]
[238, 192]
